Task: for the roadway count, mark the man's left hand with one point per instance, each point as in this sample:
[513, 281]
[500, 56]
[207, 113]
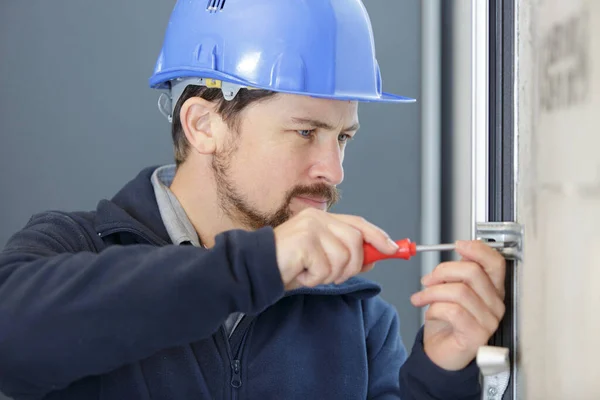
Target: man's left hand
[466, 304]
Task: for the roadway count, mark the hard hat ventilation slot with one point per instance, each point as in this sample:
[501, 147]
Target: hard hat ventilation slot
[215, 5]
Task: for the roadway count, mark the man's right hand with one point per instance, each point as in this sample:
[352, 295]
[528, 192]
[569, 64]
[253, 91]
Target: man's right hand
[315, 247]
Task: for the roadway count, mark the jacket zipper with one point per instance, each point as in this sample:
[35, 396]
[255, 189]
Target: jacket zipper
[235, 365]
[235, 361]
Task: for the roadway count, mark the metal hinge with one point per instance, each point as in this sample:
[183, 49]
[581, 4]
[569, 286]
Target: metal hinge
[508, 233]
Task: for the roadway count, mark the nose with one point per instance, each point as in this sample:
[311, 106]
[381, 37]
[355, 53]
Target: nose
[327, 165]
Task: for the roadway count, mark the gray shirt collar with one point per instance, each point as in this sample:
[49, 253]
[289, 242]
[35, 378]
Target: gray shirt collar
[173, 215]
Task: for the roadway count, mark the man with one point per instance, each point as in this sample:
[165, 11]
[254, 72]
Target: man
[225, 276]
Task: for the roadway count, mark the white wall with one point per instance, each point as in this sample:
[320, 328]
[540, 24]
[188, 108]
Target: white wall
[559, 198]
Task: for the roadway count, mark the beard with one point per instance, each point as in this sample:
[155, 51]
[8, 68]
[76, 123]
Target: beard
[237, 207]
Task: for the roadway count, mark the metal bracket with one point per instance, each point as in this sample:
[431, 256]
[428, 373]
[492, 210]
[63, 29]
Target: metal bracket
[508, 233]
[495, 370]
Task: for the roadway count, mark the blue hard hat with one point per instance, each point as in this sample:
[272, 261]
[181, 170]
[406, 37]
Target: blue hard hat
[319, 48]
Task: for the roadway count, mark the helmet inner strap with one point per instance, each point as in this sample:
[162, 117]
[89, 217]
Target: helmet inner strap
[168, 101]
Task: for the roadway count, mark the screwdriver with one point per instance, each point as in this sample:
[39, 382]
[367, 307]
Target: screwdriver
[407, 249]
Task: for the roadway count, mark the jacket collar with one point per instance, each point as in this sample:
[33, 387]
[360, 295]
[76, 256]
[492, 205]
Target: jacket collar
[133, 208]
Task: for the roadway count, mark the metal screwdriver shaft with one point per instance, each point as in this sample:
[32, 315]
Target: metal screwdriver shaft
[451, 246]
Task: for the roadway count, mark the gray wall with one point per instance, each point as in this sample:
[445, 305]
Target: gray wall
[77, 119]
[383, 164]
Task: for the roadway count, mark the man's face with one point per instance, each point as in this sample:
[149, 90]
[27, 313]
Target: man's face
[286, 156]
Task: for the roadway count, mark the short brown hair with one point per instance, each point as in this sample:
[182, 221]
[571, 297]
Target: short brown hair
[229, 111]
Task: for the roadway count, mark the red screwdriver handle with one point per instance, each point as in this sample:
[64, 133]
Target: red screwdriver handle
[406, 249]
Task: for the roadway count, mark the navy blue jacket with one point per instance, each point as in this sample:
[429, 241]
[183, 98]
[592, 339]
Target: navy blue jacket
[99, 305]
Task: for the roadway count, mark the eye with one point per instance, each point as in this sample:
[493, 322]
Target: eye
[306, 133]
[343, 138]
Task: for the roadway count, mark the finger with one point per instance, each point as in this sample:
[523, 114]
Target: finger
[352, 239]
[473, 275]
[340, 254]
[461, 320]
[491, 260]
[462, 295]
[316, 266]
[371, 234]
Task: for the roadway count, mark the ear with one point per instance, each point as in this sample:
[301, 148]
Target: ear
[196, 117]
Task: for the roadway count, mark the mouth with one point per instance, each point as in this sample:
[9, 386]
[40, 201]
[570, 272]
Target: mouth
[316, 202]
